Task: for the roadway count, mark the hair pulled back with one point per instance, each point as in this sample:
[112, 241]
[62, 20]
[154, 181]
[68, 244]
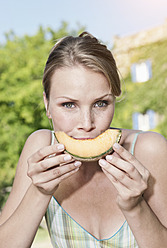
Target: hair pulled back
[83, 50]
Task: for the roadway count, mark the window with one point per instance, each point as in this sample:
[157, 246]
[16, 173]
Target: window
[145, 121]
[141, 72]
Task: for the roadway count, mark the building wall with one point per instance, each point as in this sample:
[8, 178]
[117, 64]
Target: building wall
[123, 46]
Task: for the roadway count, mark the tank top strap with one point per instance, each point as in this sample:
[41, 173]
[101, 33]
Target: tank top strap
[52, 138]
[134, 142]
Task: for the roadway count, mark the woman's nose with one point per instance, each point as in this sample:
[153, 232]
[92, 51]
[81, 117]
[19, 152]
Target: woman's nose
[86, 120]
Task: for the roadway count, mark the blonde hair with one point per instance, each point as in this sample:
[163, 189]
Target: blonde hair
[83, 50]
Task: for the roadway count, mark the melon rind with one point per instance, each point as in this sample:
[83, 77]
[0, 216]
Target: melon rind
[89, 149]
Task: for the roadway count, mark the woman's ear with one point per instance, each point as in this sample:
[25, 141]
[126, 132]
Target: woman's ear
[46, 105]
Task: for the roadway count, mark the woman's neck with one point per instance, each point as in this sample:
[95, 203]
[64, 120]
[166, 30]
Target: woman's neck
[89, 170]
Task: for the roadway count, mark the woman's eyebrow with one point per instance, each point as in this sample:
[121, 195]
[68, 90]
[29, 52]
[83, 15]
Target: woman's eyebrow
[103, 96]
[66, 97]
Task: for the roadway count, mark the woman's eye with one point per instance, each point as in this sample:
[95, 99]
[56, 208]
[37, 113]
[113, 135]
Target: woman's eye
[101, 104]
[68, 105]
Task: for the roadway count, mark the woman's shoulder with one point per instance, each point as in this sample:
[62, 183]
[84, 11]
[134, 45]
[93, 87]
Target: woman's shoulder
[150, 148]
[37, 140]
[151, 142]
[145, 143]
[146, 138]
[42, 136]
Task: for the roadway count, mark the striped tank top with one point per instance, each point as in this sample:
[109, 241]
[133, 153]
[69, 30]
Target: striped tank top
[65, 232]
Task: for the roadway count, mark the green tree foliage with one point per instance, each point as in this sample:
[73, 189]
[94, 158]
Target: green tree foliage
[22, 61]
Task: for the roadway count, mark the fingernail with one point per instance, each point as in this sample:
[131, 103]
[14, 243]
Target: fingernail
[116, 146]
[109, 157]
[52, 155]
[102, 162]
[67, 157]
[60, 147]
[77, 163]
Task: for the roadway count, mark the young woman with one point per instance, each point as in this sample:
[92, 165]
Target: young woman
[118, 201]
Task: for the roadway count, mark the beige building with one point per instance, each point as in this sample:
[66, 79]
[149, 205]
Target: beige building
[123, 46]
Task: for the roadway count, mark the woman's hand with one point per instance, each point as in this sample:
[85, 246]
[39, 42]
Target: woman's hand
[128, 175]
[49, 166]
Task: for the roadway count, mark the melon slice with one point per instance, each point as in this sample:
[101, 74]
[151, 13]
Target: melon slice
[89, 149]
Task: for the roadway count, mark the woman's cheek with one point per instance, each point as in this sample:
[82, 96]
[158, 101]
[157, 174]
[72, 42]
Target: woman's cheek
[106, 117]
[64, 122]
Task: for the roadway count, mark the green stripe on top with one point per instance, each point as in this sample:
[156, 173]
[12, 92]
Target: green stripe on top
[134, 142]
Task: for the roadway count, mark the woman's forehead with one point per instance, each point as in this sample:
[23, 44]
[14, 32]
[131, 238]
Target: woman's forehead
[78, 78]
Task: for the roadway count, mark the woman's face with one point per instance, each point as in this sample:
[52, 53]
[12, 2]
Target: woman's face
[81, 103]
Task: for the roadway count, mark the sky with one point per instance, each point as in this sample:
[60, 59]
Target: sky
[103, 18]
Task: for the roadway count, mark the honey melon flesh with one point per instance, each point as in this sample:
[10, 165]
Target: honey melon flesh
[89, 149]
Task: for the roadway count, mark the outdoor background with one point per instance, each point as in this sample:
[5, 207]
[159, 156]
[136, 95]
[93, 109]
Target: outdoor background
[136, 33]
